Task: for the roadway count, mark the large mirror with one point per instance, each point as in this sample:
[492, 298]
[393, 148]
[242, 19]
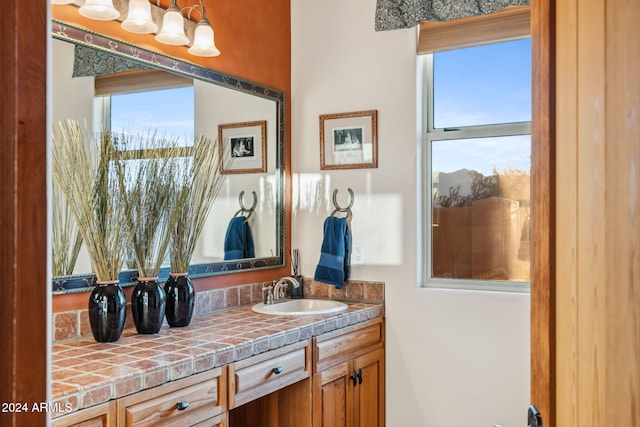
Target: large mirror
[205, 102]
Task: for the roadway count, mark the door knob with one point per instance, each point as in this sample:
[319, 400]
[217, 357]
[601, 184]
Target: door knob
[534, 418]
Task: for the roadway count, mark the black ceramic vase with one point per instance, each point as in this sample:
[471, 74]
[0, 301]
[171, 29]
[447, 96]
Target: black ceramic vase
[107, 311]
[148, 303]
[180, 299]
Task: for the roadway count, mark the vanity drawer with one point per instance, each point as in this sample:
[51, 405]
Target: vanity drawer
[341, 345]
[182, 403]
[260, 375]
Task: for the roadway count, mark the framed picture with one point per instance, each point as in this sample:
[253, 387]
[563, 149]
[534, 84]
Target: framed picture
[245, 144]
[349, 140]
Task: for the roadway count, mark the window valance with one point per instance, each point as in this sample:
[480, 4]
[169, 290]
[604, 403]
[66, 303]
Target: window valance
[92, 62]
[396, 14]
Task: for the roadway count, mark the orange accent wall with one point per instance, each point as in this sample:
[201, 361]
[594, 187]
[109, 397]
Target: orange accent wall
[254, 38]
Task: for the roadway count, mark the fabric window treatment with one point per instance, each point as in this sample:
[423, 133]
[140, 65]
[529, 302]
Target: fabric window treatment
[92, 62]
[397, 14]
[116, 75]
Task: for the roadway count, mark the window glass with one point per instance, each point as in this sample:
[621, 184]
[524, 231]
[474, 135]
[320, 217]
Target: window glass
[167, 112]
[477, 167]
[483, 85]
[480, 208]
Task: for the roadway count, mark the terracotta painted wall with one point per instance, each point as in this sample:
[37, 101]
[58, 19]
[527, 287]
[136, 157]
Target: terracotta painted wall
[254, 38]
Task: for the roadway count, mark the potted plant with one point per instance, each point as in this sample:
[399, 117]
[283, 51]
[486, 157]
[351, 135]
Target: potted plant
[82, 168]
[199, 186]
[147, 168]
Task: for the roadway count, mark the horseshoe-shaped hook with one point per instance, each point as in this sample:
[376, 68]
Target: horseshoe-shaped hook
[346, 210]
[244, 209]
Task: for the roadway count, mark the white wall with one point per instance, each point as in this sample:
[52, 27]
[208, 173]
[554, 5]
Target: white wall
[454, 358]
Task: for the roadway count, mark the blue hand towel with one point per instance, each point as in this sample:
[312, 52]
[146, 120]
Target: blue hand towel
[238, 242]
[335, 255]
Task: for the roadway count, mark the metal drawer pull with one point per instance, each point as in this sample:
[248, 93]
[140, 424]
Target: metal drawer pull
[354, 377]
[181, 406]
[277, 370]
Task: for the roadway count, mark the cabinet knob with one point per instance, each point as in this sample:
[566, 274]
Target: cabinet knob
[277, 370]
[181, 406]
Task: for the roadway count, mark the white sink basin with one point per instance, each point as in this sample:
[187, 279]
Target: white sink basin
[298, 307]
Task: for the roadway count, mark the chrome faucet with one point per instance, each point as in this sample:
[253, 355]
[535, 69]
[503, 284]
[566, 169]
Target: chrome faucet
[276, 292]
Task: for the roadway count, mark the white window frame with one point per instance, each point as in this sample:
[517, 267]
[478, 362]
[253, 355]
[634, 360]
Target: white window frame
[461, 132]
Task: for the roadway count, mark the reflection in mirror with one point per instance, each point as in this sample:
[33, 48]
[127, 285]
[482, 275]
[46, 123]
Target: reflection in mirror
[182, 100]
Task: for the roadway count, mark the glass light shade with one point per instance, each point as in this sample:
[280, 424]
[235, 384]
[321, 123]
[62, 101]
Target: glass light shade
[101, 10]
[172, 28]
[139, 18]
[203, 41]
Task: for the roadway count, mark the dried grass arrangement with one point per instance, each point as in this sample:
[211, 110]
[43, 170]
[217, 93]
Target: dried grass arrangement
[83, 169]
[148, 192]
[198, 189]
[66, 239]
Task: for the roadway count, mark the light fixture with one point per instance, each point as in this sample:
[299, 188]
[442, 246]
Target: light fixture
[101, 10]
[172, 31]
[139, 18]
[203, 39]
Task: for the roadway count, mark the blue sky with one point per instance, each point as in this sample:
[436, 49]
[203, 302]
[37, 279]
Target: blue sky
[483, 85]
[169, 111]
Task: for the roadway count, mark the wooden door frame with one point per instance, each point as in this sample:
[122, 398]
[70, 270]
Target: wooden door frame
[23, 209]
[543, 184]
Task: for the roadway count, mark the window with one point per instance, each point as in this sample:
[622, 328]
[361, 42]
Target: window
[161, 109]
[477, 167]
[168, 112]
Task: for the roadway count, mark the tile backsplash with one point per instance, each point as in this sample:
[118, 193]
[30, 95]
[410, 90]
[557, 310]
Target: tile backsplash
[75, 324]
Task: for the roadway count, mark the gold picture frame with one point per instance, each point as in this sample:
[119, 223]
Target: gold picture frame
[349, 140]
[245, 144]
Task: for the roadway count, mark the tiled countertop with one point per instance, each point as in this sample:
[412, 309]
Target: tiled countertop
[86, 372]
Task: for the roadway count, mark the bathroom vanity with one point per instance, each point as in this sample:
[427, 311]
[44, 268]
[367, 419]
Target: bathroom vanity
[230, 368]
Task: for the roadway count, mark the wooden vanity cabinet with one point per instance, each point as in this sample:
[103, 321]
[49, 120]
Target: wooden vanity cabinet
[260, 375]
[272, 389]
[103, 415]
[348, 380]
[200, 400]
[333, 380]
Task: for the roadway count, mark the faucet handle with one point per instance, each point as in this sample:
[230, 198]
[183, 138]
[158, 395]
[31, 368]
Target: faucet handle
[269, 298]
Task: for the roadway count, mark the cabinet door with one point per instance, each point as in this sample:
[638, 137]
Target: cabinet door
[333, 397]
[369, 392]
[103, 415]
